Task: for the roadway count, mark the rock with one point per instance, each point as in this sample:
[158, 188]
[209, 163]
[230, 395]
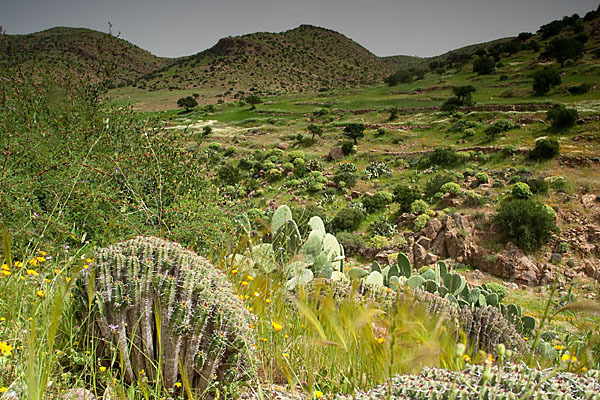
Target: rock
[591, 270]
[336, 153]
[79, 394]
[556, 258]
[589, 200]
[383, 257]
[420, 256]
[431, 259]
[432, 228]
[571, 263]
[283, 146]
[425, 242]
[449, 201]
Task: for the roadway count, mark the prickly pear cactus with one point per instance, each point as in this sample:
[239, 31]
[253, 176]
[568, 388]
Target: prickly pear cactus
[163, 306]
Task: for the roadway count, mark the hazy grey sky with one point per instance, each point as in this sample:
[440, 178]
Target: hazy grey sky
[386, 27]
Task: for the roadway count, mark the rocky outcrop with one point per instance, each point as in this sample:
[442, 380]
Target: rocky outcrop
[336, 153]
[452, 238]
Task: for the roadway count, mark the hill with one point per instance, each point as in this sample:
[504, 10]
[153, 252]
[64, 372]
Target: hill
[84, 52]
[306, 58]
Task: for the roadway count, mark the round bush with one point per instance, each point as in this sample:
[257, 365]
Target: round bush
[545, 149]
[347, 219]
[348, 147]
[521, 190]
[420, 222]
[376, 202]
[529, 224]
[482, 177]
[274, 175]
[351, 242]
[419, 207]
[561, 117]
[405, 196]
[452, 188]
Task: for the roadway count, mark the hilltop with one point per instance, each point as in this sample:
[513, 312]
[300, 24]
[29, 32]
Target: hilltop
[307, 58]
[83, 52]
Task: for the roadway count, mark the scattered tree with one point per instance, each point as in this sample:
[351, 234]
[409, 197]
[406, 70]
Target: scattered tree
[315, 130]
[545, 149]
[484, 65]
[187, 102]
[253, 100]
[563, 49]
[462, 98]
[561, 117]
[545, 79]
[354, 132]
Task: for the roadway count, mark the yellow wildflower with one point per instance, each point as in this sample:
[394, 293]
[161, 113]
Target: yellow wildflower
[103, 368]
[18, 264]
[43, 253]
[86, 266]
[5, 272]
[40, 293]
[249, 278]
[286, 355]
[33, 262]
[177, 384]
[276, 326]
[89, 260]
[317, 394]
[5, 267]
[3, 389]
[41, 259]
[234, 271]
[32, 272]
[244, 283]
[565, 357]
[467, 358]
[6, 349]
[380, 340]
[267, 300]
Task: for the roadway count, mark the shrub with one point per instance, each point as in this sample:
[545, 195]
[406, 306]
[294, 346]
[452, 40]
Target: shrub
[580, 89]
[351, 242]
[452, 188]
[229, 174]
[545, 149]
[382, 227]
[484, 65]
[482, 177]
[538, 186]
[299, 167]
[561, 117]
[405, 196]
[434, 185]
[273, 175]
[287, 166]
[497, 288]
[420, 222]
[347, 219]
[544, 80]
[314, 165]
[348, 147]
[469, 133]
[139, 280]
[527, 223]
[521, 190]
[376, 169]
[380, 132]
[346, 173]
[444, 156]
[473, 199]
[376, 202]
[419, 207]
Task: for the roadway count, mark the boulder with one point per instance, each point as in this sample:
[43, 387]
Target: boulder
[336, 153]
[283, 146]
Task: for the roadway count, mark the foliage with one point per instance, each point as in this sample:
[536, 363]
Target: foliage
[545, 149]
[485, 65]
[435, 183]
[401, 76]
[382, 227]
[347, 219]
[138, 280]
[452, 188]
[482, 177]
[229, 174]
[563, 49]
[463, 97]
[405, 195]
[187, 102]
[377, 201]
[521, 190]
[562, 118]
[376, 169]
[525, 222]
[348, 147]
[419, 207]
[420, 222]
[315, 130]
[352, 242]
[253, 100]
[544, 80]
[354, 131]
[346, 175]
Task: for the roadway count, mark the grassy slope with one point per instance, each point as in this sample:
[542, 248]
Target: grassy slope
[82, 52]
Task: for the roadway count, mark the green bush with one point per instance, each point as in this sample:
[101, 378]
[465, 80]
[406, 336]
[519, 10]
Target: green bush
[348, 147]
[561, 118]
[382, 227]
[497, 288]
[435, 183]
[444, 156]
[420, 222]
[473, 199]
[346, 174]
[538, 186]
[545, 149]
[351, 242]
[419, 207]
[482, 177]
[376, 202]
[527, 223]
[544, 80]
[452, 188]
[405, 195]
[229, 174]
[273, 175]
[347, 219]
[521, 190]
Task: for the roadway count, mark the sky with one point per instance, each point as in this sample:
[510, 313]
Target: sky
[177, 28]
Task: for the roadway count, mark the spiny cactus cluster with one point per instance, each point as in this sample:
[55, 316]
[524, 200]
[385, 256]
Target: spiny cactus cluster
[444, 283]
[320, 255]
[486, 327]
[499, 382]
[161, 306]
